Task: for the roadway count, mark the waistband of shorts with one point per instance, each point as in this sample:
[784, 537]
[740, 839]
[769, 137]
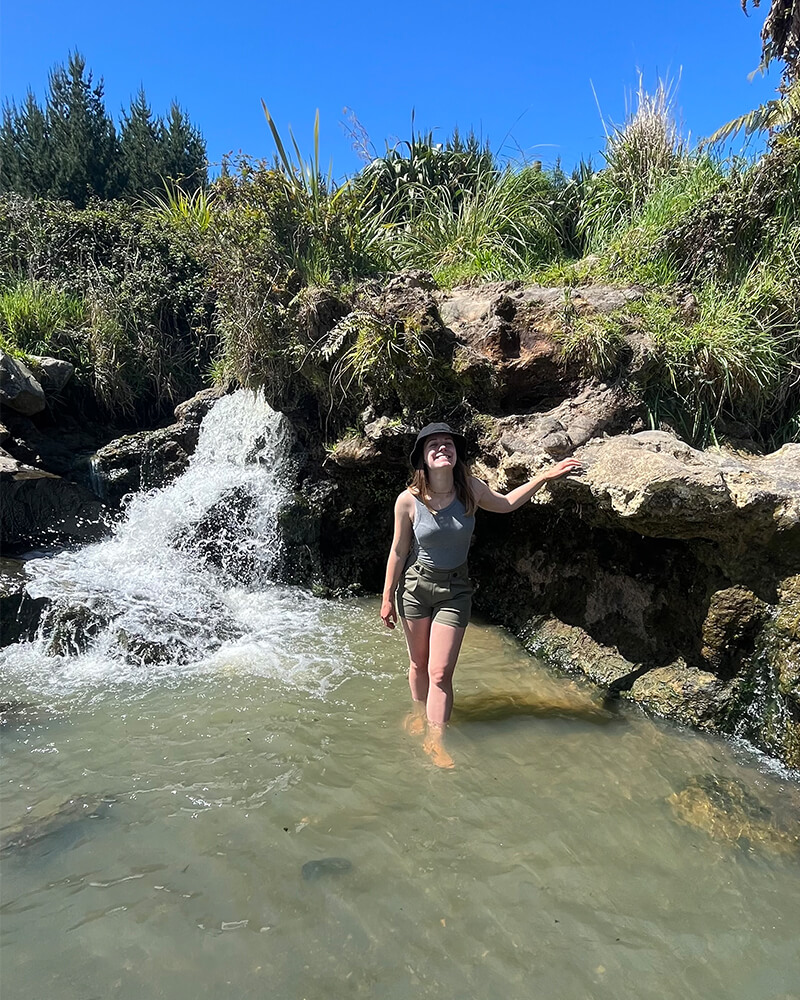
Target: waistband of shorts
[438, 574]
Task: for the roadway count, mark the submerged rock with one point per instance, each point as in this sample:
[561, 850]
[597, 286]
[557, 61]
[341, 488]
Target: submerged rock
[727, 812]
[61, 822]
[313, 870]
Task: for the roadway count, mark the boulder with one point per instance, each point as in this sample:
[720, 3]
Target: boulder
[39, 508]
[686, 694]
[19, 389]
[151, 459]
[52, 373]
[516, 328]
[657, 485]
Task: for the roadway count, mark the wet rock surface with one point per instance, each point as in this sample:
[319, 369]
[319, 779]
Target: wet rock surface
[727, 812]
[38, 507]
[151, 459]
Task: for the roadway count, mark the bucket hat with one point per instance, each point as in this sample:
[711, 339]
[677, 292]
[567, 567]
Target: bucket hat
[417, 458]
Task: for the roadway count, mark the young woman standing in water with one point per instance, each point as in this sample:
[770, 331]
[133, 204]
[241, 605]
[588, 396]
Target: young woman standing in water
[426, 575]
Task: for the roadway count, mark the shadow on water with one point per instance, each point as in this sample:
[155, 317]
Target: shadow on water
[495, 706]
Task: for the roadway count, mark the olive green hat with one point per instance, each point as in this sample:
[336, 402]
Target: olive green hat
[417, 457]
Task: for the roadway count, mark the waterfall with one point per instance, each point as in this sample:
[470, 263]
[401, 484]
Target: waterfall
[184, 582]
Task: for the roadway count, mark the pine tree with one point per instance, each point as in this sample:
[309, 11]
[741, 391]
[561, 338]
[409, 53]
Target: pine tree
[26, 162]
[83, 138]
[141, 148]
[183, 151]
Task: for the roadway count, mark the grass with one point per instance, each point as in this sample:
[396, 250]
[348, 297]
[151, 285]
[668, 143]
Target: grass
[499, 228]
[39, 318]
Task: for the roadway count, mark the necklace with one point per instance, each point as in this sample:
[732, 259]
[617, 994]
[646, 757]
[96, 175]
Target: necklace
[441, 493]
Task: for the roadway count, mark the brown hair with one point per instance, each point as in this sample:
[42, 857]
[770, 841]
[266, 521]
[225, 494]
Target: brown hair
[461, 480]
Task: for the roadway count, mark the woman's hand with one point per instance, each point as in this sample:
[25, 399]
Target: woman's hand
[562, 469]
[389, 612]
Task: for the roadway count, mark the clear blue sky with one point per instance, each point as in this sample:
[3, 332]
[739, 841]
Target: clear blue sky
[519, 73]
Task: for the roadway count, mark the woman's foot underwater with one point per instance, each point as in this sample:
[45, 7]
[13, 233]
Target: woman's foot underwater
[414, 722]
[434, 747]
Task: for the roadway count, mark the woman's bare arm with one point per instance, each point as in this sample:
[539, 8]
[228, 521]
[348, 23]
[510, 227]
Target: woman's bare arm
[499, 503]
[401, 545]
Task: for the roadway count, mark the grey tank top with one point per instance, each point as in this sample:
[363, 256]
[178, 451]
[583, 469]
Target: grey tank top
[441, 540]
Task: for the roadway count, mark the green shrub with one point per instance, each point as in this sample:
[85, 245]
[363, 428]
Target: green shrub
[136, 291]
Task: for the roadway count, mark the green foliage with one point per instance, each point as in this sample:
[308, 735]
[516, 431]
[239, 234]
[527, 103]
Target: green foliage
[70, 148]
[639, 155]
[594, 343]
[398, 183]
[34, 315]
[122, 296]
[500, 228]
[179, 207]
[724, 365]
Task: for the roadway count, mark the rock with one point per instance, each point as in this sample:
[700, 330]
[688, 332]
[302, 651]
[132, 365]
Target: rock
[152, 459]
[19, 389]
[727, 812]
[313, 870]
[572, 649]
[39, 508]
[735, 615]
[683, 693]
[515, 327]
[59, 826]
[20, 615]
[70, 628]
[354, 451]
[52, 373]
[657, 485]
[522, 445]
[192, 410]
[5, 434]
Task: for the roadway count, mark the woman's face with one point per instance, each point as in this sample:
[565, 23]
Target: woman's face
[439, 451]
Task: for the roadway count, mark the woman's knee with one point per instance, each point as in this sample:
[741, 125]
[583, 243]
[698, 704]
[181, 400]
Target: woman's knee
[441, 674]
[417, 668]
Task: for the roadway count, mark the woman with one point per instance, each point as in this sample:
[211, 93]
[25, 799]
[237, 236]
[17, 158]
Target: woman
[426, 574]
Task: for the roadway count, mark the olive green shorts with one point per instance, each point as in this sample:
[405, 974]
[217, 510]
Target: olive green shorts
[444, 595]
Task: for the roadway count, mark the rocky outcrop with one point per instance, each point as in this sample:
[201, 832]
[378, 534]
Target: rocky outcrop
[19, 389]
[151, 459]
[665, 574]
[40, 508]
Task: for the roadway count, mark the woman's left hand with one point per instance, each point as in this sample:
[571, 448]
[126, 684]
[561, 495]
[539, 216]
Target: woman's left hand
[562, 469]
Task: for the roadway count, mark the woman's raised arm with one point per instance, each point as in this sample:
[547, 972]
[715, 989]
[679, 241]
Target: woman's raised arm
[500, 503]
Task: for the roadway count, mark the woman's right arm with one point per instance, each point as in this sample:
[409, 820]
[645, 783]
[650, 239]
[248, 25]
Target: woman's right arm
[401, 544]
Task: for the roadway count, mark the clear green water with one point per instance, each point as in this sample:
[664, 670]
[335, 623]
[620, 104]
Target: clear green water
[548, 864]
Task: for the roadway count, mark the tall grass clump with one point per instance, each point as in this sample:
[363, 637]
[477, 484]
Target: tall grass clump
[501, 227]
[726, 367]
[40, 318]
[639, 154]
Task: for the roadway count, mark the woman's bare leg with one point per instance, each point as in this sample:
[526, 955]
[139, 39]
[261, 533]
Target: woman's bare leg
[445, 645]
[443, 648]
[417, 632]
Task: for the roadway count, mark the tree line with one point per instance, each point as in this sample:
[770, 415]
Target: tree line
[70, 148]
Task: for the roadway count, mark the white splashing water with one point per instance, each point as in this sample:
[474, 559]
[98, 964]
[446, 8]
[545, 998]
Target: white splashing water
[182, 586]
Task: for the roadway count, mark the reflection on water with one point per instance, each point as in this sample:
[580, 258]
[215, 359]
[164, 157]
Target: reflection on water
[260, 824]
